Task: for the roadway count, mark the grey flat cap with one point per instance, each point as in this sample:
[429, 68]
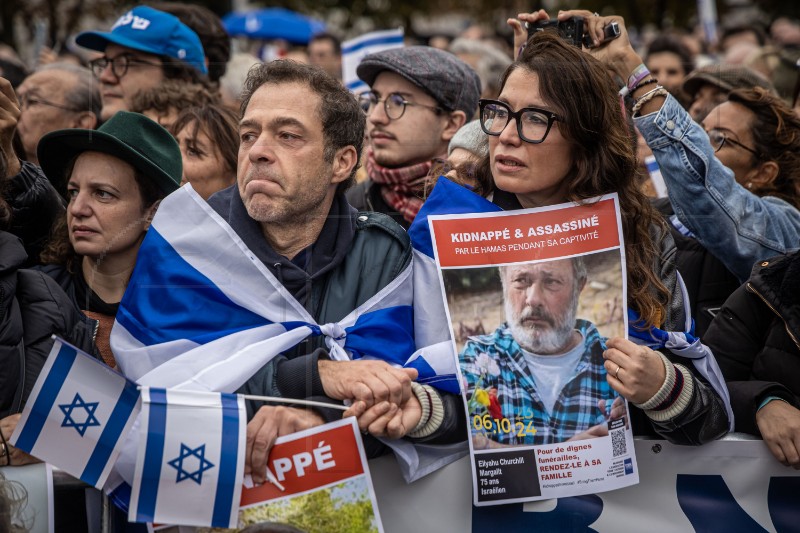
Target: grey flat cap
[453, 83]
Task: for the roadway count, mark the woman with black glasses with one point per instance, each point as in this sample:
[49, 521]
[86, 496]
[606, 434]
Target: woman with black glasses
[556, 134]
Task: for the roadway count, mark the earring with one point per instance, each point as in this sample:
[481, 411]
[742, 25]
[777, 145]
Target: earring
[749, 185]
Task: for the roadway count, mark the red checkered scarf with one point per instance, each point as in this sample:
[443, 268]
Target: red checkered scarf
[402, 188]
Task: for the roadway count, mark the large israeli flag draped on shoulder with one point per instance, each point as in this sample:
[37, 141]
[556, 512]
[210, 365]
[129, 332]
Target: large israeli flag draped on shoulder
[201, 312]
[430, 317]
[190, 464]
[77, 413]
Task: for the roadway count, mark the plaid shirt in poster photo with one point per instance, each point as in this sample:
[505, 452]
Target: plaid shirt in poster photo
[499, 377]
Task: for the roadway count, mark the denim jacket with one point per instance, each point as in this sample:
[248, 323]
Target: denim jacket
[736, 226]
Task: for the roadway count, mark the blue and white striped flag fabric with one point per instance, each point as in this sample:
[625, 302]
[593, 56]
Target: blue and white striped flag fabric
[430, 317]
[191, 458]
[201, 312]
[354, 50]
[77, 413]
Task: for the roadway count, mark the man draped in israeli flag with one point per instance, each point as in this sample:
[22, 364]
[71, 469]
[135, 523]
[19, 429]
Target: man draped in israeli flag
[278, 287]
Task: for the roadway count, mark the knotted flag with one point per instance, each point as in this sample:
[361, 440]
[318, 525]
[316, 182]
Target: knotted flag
[202, 312]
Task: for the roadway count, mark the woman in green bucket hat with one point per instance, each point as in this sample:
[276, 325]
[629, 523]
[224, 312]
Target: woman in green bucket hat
[113, 179]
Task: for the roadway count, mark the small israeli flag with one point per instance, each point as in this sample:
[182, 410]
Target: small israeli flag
[354, 50]
[191, 458]
[77, 412]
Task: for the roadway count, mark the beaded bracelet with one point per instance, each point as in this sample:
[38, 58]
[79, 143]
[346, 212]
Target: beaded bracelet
[646, 97]
[642, 84]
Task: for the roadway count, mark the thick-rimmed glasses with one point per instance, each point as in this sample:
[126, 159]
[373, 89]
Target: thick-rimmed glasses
[718, 140]
[394, 104]
[533, 124]
[26, 100]
[119, 65]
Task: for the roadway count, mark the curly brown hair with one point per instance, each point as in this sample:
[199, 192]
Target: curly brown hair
[776, 134]
[578, 88]
[172, 95]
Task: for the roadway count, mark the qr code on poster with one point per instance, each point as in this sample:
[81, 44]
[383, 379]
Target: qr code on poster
[618, 442]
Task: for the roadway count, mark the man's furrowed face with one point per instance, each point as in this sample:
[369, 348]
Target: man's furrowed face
[282, 173]
[541, 301]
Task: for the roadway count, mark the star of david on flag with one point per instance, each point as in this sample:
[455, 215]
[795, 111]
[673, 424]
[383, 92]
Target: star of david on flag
[77, 413]
[89, 419]
[190, 460]
[187, 454]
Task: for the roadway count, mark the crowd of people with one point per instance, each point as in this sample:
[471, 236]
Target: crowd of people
[320, 186]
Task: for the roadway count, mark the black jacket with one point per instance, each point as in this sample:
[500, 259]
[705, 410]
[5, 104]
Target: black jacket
[355, 256]
[756, 339]
[32, 308]
[708, 282]
[366, 196]
[35, 206]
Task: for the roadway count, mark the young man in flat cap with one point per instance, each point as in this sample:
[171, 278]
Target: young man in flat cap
[419, 98]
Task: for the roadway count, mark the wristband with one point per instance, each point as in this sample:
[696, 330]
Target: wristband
[6, 450]
[638, 74]
[768, 399]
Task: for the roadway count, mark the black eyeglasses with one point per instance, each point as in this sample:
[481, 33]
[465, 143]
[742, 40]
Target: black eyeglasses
[718, 140]
[26, 101]
[119, 65]
[394, 104]
[533, 124]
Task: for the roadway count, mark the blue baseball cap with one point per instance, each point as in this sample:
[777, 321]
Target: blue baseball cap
[152, 31]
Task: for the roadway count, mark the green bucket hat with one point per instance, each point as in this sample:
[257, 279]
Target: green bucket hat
[132, 137]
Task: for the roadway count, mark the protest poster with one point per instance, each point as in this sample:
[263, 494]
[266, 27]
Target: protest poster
[531, 296]
[320, 482]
